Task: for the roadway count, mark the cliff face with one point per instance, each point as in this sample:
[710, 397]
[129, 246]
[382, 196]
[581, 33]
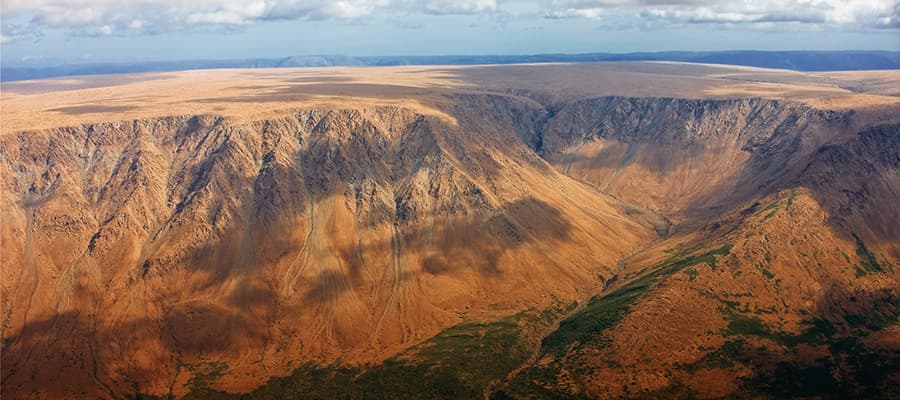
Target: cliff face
[683, 156]
[133, 249]
[791, 267]
[139, 254]
[854, 179]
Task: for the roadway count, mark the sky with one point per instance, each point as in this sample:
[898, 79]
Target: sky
[65, 31]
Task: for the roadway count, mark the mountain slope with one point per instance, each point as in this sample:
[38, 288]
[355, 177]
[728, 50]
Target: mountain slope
[799, 283]
[348, 233]
[650, 230]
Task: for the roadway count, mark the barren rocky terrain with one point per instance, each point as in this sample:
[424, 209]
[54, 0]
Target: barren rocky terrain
[596, 230]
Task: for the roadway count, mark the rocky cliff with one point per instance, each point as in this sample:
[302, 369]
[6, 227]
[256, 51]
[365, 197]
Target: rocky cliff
[198, 254]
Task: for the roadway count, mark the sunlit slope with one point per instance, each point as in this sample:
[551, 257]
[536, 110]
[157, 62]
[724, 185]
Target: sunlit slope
[599, 230]
[789, 294]
[323, 234]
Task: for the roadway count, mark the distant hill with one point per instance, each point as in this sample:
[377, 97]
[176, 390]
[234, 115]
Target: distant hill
[794, 60]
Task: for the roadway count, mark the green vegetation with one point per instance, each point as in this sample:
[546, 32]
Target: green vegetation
[691, 273]
[677, 390]
[869, 263]
[140, 396]
[681, 251]
[886, 263]
[790, 200]
[467, 360]
[817, 333]
[204, 375]
[459, 362]
[773, 206]
[770, 210]
[817, 330]
[885, 312]
[588, 326]
[723, 357]
[765, 271]
[728, 303]
[796, 380]
[843, 254]
[866, 258]
[851, 371]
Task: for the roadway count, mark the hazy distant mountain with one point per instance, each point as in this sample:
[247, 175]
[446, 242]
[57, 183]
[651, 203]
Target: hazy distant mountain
[795, 60]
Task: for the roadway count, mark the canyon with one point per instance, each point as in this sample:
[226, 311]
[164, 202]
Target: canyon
[589, 230]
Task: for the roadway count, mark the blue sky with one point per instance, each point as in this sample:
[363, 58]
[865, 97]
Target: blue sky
[53, 31]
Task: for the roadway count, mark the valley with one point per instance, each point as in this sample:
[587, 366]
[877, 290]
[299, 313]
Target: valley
[591, 230]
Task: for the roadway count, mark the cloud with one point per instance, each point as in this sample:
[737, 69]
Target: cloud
[840, 13]
[117, 17]
[27, 19]
[442, 7]
[11, 33]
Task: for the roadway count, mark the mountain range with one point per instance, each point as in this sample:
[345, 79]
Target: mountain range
[543, 231]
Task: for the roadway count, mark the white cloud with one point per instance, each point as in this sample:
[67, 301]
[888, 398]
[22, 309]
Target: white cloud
[118, 17]
[11, 33]
[840, 13]
[459, 6]
[575, 12]
[27, 18]
[105, 17]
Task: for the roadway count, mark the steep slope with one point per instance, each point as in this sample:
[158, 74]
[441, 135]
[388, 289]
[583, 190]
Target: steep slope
[780, 306]
[622, 230]
[776, 284]
[675, 155]
[792, 294]
[140, 254]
